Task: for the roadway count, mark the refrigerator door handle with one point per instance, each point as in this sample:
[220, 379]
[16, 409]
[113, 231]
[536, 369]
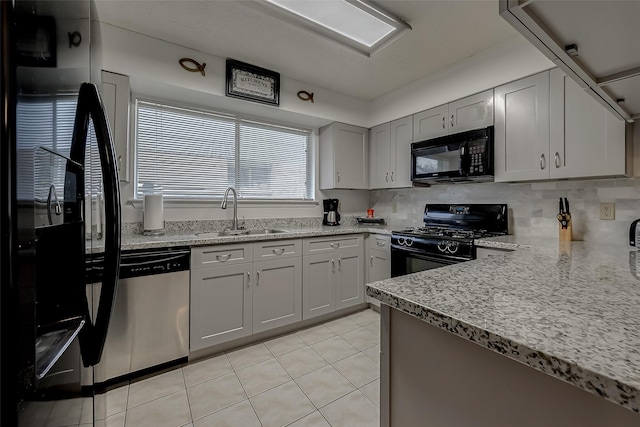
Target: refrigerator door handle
[90, 106]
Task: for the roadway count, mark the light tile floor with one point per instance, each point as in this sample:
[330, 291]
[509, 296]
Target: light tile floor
[323, 376]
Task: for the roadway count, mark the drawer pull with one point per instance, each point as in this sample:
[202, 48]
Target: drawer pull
[278, 251]
[335, 245]
[380, 242]
[223, 258]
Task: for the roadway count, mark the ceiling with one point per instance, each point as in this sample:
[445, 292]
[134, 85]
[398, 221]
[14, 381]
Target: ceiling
[444, 32]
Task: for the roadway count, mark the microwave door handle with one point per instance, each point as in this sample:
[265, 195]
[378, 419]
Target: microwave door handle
[91, 103]
[464, 160]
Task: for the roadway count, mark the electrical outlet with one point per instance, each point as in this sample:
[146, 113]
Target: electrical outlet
[607, 211]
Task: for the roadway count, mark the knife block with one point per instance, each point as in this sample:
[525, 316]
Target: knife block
[565, 234]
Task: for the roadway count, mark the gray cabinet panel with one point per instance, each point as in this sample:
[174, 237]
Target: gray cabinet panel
[318, 278]
[277, 293]
[350, 279]
[220, 305]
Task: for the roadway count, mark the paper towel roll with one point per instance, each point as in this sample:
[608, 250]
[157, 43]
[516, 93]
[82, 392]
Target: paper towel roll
[153, 212]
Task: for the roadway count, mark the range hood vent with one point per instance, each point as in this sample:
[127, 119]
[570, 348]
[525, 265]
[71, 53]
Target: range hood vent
[594, 42]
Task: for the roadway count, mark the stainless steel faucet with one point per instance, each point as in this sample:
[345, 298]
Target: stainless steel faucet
[235, 206]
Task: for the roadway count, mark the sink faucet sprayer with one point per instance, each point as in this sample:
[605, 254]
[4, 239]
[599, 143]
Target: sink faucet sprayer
[235, 206]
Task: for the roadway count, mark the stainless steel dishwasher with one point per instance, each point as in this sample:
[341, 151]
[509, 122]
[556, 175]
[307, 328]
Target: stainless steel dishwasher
[150, 322]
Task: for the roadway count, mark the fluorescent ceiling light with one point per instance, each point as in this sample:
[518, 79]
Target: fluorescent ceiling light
[356, 23]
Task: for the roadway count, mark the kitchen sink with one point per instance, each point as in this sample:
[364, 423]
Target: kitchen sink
[240, 232]
[267, 231]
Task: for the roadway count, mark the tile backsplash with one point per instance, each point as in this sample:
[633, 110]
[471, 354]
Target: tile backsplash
[532, 206]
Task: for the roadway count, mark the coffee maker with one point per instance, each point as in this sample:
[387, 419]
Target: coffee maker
[331, 215]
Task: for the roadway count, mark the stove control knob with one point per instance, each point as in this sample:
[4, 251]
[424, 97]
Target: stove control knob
[409, 242]
[401, 241]
[442, 246]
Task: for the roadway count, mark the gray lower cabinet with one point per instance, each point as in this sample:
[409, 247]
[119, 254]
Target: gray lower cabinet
[277, 293]
[221, 301]
[318, 280]
[333, 274]
[378, 261]
[349, 278]
[241, 289]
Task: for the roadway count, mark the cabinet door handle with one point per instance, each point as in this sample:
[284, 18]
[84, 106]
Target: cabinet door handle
[452, 120]
[223, 258]
[371, 261]
[443, 121]
[338, 175]
[542, 162]
[386, 176]
[333, 266]
[339, 264]
[257, 278]
[248, 278]
[278, 251]
[391, 176]
[557, 159]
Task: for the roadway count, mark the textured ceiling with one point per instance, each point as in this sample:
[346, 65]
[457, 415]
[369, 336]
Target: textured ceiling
[444, 32]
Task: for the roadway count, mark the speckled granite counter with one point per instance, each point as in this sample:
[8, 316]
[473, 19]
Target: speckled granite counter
[571, 311]
[138, 241]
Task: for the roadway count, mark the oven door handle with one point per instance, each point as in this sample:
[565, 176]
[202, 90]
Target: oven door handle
[416, 253]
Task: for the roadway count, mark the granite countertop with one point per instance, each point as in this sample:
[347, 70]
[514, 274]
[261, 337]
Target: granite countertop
[571, 310]
[139, 241]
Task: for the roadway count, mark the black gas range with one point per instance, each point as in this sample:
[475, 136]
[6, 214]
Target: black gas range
[447, 236]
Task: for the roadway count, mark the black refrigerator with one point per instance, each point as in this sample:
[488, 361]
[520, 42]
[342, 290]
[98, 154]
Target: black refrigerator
[60, 203]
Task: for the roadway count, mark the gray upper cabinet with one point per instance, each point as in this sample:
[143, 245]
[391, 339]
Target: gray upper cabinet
[431, 123]
[547, 127]
[522, 129]
[604, 38]
[344, 155]
[472, 112]
[116, 96]
[587, 140]
[390, 154]
[379, 156]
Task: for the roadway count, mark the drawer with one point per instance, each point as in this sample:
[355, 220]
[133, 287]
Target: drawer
[328, 244]
[379, 241]
[210, 256]
[277, 249]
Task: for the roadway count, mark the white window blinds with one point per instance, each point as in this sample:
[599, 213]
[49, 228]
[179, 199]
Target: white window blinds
[198, 154]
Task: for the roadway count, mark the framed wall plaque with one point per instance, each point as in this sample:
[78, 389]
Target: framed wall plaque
[246, 81]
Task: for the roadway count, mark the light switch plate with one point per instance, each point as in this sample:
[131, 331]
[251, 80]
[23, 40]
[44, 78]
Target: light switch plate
[607, 211]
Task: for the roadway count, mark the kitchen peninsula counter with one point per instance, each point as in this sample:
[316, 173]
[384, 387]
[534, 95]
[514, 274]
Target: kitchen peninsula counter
[571, 311]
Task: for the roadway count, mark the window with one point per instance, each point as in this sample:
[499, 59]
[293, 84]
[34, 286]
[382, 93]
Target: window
[194, 154]
[48, 121]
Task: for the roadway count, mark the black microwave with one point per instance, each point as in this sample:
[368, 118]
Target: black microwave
[461, 157]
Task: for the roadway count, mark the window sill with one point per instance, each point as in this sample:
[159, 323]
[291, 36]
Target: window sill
[170, 203]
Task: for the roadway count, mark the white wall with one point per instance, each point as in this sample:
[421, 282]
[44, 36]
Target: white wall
[509, 61]
[153, 67]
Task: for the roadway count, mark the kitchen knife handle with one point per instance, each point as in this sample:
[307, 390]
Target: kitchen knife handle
[566, 205]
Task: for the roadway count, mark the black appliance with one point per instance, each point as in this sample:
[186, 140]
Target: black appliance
[57, 155]
[447, 236]
[461, 157]
[331, 214]
[634, 233]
